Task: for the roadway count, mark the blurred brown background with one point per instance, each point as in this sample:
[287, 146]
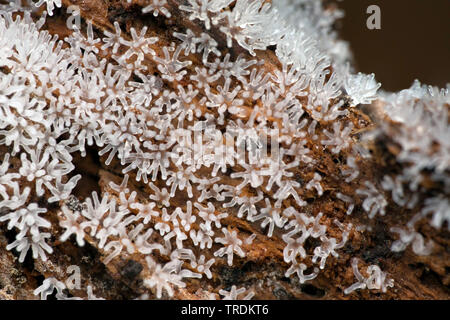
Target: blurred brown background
[413, 43]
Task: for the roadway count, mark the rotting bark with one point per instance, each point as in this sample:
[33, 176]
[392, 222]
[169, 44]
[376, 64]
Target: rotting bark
[416, 277]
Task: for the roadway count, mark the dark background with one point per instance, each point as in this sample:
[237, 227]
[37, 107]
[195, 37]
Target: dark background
[413, 43]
